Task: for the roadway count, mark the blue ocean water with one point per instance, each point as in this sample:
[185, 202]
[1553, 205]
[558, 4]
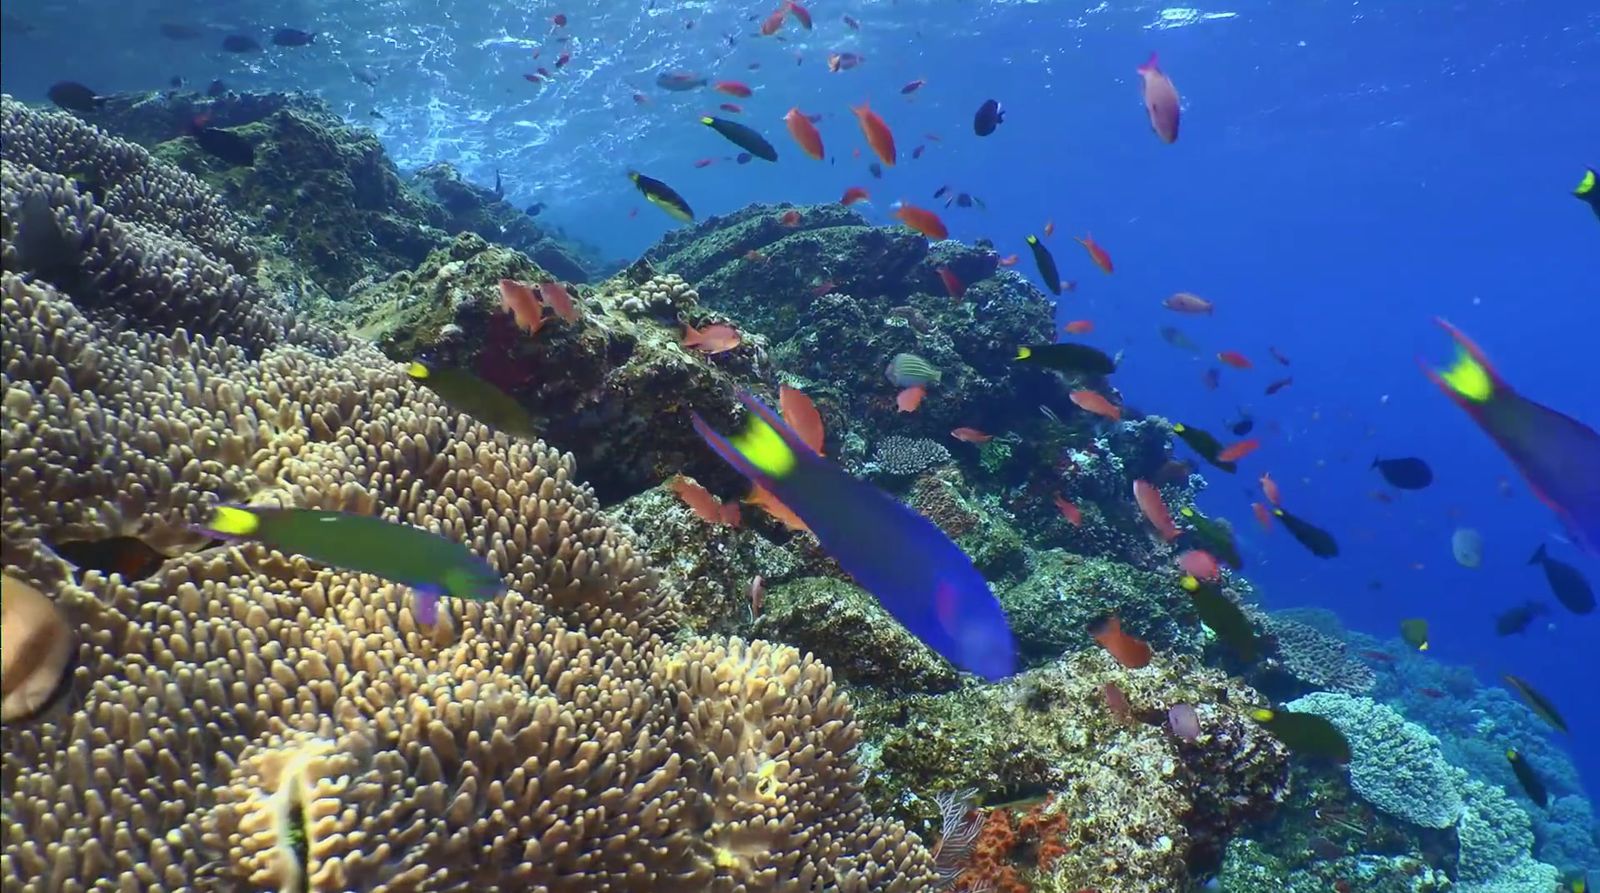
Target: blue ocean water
[1346, 172]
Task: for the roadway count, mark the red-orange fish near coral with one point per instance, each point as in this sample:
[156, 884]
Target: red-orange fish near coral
[971, 435]
[852, 195]
[790, 218]
[522, 303]
[732, 88]
[1155, 510]
[800, 13]
[1009, 260]
[923, 221]
[771, 24]
[953, 286]
[712, 339]
[1096, 253]
[1239, 450]
[1069, 511]
[877, 133]
[1235, 359]
[559, 299]
[1200, 563]
[1263, 516]
[804, 132]
[1129, 651]
[732, 107]
[1089, 401]
[1269, 488]
[909, 399]
[1078, 327]
[801, 414]
[699, 500]
[763, 499]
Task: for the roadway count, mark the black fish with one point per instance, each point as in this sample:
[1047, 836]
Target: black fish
[1244, 425]
[1320, 542]
[1518, 619]
[239, 43]
[180, 31]
[1225, 618]
[1204, 443]
[1571, 589]
[376, 114]
[1279, 385]
[1406, 474]
[742, 158]
[533, 209]
[216, 88]
[1306, 734]
[1067, 358]
[74, 96]
[876, 170]
[988, 117]
[176, 80]
[1588, 190]
[292, 37]
[226, 145]
[1214, 537]
[662, 196]
[499, 187]
[1046, 262]
[1531, 783]
[1538, 703]
[941, 191]
[742, 136]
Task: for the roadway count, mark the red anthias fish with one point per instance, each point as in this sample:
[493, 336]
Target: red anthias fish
[1557, 455]
[1096, 253]
[1160, 100]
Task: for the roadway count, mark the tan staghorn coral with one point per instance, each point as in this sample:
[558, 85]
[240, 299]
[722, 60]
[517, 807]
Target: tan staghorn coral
[245, 720]
[126, 180]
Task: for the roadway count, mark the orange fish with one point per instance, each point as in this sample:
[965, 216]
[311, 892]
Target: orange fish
[1239, 450]
[801, 414]
[730, 107]
[800, 13]
[971, 435]
[1009, 260]
[1117, 703]
[922, 220]
[763, 499]
[1130, 652]
[732, 88]
[1078, 327]
[1235, 359]
[1263, 517]
[790, 218]
[909, 399]
[852, 195]
[1096, 253]
[1049, 228]
[712, 339]
[877, 133]
[1269, 488]
[523, 303]
[771, 24]
[1155, 511]
[1089, 401]
[1199, 563]
[699, 500]
[559, 299]
[704, 162]
[804, 132]
[1069, 511]
[755, 256]
[953, 287]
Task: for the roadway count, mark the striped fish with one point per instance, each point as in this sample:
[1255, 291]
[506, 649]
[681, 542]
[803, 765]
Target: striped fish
[907, 370]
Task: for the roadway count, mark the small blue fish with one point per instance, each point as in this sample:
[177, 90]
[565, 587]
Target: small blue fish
[914, 570]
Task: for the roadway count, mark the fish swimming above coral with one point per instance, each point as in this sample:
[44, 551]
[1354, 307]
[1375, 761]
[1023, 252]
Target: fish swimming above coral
[428, 563]
[1556, 454]
[919, 576]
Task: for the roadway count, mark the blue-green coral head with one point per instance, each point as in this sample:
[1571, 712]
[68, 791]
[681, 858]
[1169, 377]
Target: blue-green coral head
[914, 570]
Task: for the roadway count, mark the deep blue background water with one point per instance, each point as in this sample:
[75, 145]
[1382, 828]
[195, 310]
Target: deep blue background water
[1345, 173]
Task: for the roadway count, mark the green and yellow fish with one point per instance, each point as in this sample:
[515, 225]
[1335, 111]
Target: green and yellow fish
[663, 196]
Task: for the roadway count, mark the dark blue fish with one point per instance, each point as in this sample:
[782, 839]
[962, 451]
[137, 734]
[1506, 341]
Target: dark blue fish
[679, 81]
[914, 570]
[292, 37]
[1557, 455]
[239, 43]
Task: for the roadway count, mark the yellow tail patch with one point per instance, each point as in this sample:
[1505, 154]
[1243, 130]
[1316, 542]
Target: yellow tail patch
[763, 446]
[1468, 378]
[417, 371]
[1586, 185]
[234, 521]
[1262, 715]
[1023, 353]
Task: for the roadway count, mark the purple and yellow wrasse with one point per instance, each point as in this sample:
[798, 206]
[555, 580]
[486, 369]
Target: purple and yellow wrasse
[1557, 455]
[428, 563]
[919, 576]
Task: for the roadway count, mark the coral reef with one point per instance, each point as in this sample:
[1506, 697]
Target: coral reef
[1397, 765]
[1497, 844]
[1310, 657]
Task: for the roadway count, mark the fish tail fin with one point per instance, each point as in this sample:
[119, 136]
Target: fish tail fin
[1375, 461]
[1539, 555]
[1151, 64]
[1469, 380]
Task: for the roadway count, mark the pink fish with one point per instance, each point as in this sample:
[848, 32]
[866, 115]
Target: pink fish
[1186, 302]
[1200, 564]
[1160, 100]
[559, 299]
[712, 339]
[758, 596]
[1155, 511]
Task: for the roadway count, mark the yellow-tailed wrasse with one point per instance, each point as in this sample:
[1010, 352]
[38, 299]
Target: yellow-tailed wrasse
[919, 576]
[1046, 263]
[1557, 455]
[1531, 783]
[1588, 191]
[1224, 617]
[1318, 541]
[1536, 702]
[1415, 633]
[1080, 358]
[1204, 443]
[1575, 881]
[662, 196]
[470, 395]
[1306, 734]
[1216, 538]
[428, 563]
[743, 137]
